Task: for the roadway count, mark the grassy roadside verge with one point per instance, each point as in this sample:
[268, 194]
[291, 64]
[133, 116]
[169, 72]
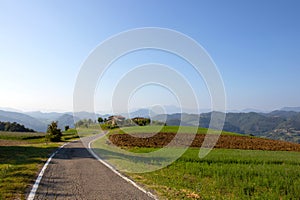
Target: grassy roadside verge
[22, 155]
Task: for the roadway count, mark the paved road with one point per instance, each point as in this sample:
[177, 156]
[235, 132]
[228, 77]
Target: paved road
[74, 174]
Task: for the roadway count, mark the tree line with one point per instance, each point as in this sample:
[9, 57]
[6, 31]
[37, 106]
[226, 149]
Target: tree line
[14, 127]
[117, 121]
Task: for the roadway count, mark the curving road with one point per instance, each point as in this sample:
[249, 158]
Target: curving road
[74, 173]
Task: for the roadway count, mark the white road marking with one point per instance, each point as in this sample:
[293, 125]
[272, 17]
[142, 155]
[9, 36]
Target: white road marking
[118, 173]
[40, 176]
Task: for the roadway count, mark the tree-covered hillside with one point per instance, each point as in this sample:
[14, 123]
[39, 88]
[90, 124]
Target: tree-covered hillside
[280, 125]
[14, 127]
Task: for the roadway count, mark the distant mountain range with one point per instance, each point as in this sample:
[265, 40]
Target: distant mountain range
[283, 124]
[295, 109]
[280, 125]
[39, 121]
[26, 120]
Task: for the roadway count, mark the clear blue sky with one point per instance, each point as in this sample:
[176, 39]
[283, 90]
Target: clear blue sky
[255, 44]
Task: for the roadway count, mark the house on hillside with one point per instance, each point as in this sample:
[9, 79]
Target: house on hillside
[115, 120]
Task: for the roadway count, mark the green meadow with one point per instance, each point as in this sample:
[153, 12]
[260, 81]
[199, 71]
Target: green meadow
[22, 155]
[226, 174]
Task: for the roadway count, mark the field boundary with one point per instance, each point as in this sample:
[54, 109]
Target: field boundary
[118, 173]
[40, 176]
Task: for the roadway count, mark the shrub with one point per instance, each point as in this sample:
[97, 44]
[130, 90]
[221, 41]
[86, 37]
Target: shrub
[54, 133]
[67, 128]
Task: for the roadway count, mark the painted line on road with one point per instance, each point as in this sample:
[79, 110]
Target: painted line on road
[118, 173]
[40, 176]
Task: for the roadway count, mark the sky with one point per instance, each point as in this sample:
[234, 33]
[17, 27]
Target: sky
[254, 44]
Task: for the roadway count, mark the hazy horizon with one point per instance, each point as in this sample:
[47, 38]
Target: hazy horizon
[170, 110]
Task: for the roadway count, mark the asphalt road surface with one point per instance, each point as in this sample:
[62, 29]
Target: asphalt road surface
[74, 173]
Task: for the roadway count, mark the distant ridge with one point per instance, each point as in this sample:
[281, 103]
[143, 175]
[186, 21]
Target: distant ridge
[66, 120]
[279, 125]
[10, 109]
[295, 109]
[283, 124]
[42, 115]
[23, 119]
[39, 120]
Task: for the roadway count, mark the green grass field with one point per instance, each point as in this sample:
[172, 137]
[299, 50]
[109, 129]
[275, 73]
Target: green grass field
[222, 174]
[21, 157]
[226, 174]
[20, 136]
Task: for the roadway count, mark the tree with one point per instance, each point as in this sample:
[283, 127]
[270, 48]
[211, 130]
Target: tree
[141, 121]
[100, 120]
[54, 133]
[67, 128]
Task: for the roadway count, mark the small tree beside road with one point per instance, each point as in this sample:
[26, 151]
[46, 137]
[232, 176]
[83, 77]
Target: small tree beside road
[53, 133]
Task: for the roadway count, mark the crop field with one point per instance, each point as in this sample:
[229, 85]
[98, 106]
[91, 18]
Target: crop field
[165, 129]
[223, 174]
[22, 155]
[224, 141]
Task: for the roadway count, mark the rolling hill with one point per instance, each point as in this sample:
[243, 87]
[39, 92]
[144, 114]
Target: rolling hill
[26, 120]
[279, 125]
[38, 121]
